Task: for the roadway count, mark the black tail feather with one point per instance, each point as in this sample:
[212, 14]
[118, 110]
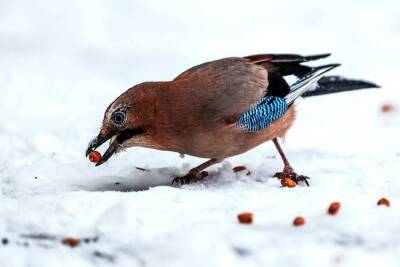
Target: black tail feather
[289, 64]
[315, 57]
[281, 65]
[336, 84]
[294, 58]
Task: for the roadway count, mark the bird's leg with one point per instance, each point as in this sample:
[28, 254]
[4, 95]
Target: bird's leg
[196, 174]
[288, 171]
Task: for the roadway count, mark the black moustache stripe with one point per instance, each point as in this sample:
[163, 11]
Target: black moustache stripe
[128, 133]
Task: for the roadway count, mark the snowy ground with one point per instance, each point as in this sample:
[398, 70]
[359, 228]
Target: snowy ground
[62, 63]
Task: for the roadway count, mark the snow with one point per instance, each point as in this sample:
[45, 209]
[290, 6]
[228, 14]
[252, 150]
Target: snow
[63, 63]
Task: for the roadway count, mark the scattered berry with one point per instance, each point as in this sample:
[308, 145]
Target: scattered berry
[383, 201]
[287, 182]
[239, 168]
[94, 156]
[72, 242]
[245, 218]
[298, 221]
[387, 108]
[334, 208]
[4, 241]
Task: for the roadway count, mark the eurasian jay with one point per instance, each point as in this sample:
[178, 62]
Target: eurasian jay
[218, 109]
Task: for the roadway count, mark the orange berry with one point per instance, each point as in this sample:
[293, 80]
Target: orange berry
[287, 182]
[245, 218]
[387, 108]
[298, 221]
[72, 242]
[94, 156]
[239, 168]
[334, 208]
[383, 201]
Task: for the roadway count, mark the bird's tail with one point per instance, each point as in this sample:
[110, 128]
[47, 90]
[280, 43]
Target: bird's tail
[336, 84]
[314, 83]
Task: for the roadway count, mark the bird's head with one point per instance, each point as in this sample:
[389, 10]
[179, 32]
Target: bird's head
[126, 120]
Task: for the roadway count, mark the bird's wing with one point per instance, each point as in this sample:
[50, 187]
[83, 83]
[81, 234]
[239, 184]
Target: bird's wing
[221, 90]
[281, 94]
[281, 65]
[250, 92]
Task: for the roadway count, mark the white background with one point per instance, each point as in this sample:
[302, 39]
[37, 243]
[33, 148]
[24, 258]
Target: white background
[63, 62]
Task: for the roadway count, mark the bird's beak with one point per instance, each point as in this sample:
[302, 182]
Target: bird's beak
[98, 141]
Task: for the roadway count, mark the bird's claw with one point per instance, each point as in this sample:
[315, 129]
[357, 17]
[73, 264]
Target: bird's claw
[292, 175]
[191, 177]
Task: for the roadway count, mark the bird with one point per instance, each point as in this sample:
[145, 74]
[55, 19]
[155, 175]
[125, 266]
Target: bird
[219, 109]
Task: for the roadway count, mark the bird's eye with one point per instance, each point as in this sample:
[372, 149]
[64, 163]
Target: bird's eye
[119, 117]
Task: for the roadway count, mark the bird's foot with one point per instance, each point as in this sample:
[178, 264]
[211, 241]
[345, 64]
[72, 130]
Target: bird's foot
[191, 177]
[288, 172]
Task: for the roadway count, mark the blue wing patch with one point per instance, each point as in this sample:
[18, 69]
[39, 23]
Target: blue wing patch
[266, 110]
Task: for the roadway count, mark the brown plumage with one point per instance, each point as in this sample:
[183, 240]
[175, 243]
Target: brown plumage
[197, 113]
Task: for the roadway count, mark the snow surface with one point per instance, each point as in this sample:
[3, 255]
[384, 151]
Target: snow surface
[62, 63]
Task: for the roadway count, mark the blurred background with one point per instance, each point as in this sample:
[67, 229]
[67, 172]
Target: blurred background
[63, 62]
[55, 55]
[94, 48]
